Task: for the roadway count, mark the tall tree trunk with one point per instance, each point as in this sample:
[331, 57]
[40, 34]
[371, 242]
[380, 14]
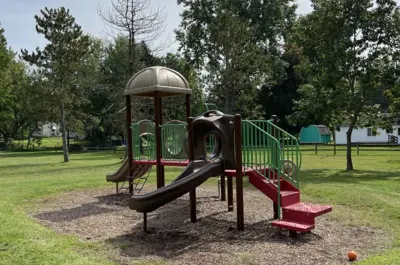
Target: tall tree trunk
[226, 105]
[68, 138]
[30, 133]
[348, 153]
[63, 133]
[334, 139]
[348, 137]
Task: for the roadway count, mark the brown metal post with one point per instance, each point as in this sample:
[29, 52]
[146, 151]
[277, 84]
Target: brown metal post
[193, 214]
[188, 107]
[275, 120]
[192, 193]
[230, 195]
[129, 139]
[162, 168]
[157, 110]
[239, 172]
[223, 189]
[145, 222]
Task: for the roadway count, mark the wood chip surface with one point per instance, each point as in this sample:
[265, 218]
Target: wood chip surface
[101, 215]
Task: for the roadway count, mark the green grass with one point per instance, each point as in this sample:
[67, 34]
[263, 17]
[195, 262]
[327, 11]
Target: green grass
[28, 176]
[46, 142]
[368, 196]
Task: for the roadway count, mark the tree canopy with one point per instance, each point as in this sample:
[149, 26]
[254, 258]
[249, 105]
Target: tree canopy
[345, 46]
[237, 44]
[337, 65]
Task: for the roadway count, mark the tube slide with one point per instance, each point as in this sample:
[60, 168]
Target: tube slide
[194, 175]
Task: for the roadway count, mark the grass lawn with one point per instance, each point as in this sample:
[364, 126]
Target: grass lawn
[55, 141]
[368, 196]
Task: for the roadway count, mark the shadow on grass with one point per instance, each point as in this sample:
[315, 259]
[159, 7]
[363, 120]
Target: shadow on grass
[17, 154]
[97, 156]
[170, 233]
[22, 166]
[321, 176]
[103, 204]
[73, 155]
[31, 169]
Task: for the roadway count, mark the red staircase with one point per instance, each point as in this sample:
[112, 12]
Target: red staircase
[296, 216]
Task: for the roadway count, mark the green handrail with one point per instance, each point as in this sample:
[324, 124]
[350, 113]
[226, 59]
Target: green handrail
[290, 150]
[262, 152]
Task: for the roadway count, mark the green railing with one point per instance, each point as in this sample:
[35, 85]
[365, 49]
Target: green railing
[173, 139]
[143, 140]
[290, 156]
[262, 152]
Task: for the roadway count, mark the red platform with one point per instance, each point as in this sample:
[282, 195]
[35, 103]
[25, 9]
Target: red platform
[172, 163]
[232, 172]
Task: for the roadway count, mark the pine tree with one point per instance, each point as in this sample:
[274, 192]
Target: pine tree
[59, 59]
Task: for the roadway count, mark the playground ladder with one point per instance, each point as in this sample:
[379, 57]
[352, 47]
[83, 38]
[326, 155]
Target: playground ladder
[140, 178]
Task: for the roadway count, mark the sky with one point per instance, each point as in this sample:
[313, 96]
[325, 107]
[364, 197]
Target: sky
[17, 18]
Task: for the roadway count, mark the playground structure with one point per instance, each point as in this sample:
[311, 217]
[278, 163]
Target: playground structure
[213, 144]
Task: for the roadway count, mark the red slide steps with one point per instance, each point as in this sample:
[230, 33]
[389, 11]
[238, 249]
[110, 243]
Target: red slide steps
[296, 216]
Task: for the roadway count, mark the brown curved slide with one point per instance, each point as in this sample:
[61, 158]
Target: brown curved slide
[192, 176]
[121, 174]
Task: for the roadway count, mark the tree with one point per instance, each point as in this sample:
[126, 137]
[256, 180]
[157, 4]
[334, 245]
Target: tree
[174, 109]
[26, 106]
[344, 46]
[59, 59]
[136, 22]
[237, 44]
[116, 72]
[6, 99]
[278, 99]
[15, 104]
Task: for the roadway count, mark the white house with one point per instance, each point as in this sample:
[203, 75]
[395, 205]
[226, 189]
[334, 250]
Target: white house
[48, 130]
[367, 135]
[52, 129]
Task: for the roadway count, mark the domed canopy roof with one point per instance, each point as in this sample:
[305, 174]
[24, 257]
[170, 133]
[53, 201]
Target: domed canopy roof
[157, 79]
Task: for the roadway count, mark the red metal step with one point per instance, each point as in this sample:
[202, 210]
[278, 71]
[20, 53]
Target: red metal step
[315, 209]
[297, 216]
[288, 197]
[304, 212]
[293, 225]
